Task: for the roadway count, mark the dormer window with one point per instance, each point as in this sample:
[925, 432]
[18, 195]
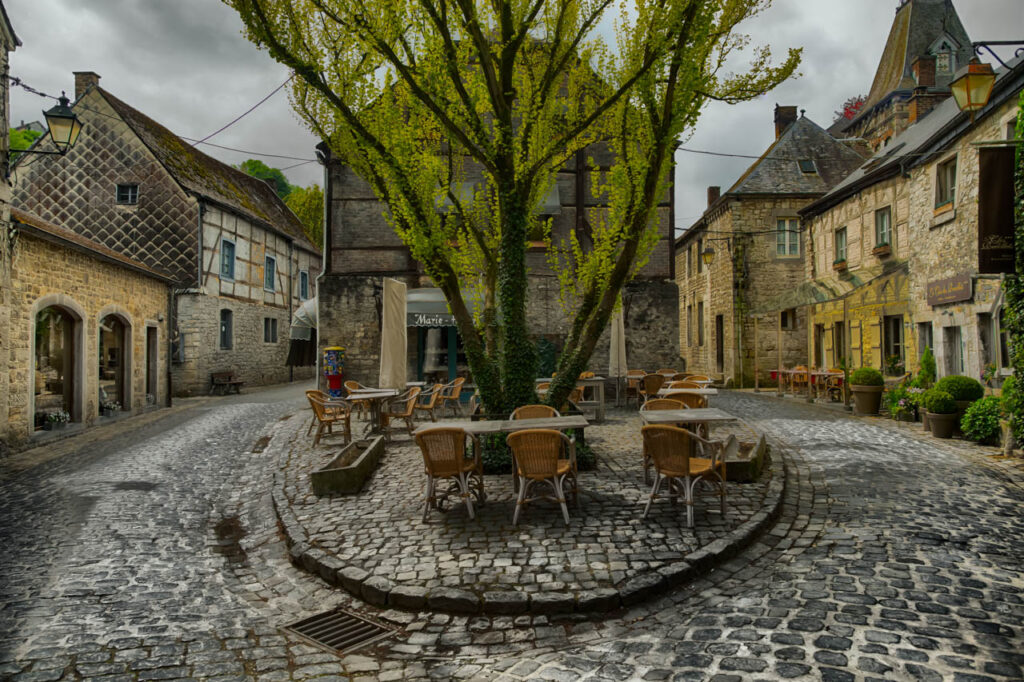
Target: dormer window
[807, 167]
[944, 62]
[128, 194]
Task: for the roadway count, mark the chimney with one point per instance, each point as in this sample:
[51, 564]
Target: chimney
[922, 102]
[713, 193]
[84, 80]
[924, 70]
[784, 117]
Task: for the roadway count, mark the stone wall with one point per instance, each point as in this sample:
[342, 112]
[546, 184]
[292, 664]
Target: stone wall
[45, 273]
[5, 219]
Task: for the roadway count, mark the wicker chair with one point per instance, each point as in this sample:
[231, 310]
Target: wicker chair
[682, 384]
[685, 460]
[444, 457]
[534, 412]
[698, 379]
[690, 400]
[650, 386]
[681, 376]
[403, 407]
[539, 458]
[834, 386]
[634, 377]
[657, 404]
[327, 415]
[362, 407]
[329, 407]
[587, 375]
[800, 377]
[427, 401]
[451, 393]
[667, 372]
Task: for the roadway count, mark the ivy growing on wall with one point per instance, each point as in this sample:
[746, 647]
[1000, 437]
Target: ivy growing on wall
[1014, 312]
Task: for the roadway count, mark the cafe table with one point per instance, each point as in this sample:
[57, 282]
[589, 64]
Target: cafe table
[375, 399]
[702, 415]
[706, 392]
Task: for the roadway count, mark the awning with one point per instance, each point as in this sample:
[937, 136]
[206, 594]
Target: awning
[304, 320]
[427, 307]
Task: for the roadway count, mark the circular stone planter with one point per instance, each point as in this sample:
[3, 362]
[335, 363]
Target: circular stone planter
[943, 425]
[866, 399]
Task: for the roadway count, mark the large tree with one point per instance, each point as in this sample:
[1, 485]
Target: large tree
[420, 95]
[307, 203]
[258, 169]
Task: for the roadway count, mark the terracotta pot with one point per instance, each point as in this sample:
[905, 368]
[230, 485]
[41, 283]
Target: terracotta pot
[943, 425]
[1007, 439]
[866, 399]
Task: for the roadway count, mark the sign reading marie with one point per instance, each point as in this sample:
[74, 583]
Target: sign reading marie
[950, 290]
[429, 320]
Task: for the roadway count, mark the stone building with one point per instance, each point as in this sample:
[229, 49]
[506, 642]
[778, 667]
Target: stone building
[742, 310]
[912, 246]
[926, 45]
[8, 43]
[87, 328]
[240, 260]
[361, 248]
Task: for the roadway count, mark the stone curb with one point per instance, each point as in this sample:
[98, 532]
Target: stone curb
[383, 592]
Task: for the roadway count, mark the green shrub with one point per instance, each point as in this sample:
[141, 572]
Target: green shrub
[981, 420]
[898, 401]
[1013, 403]
[926, 376]
[867, 376]
[961, 388]
[939, 402]
[495, 455]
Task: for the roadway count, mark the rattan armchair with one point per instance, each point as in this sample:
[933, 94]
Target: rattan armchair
[681, 376]
[657, 404]
[690, 400]
[444, 458]
[685, 461]
[534, 412]
[327, 415]
[362, 407]
[544, 456]
[402, 407]
[427, 400]
[667, 372]
[326, 399]
[682, 384]
[450, 395]
[650, 386]
[633, 379]
[699, 379]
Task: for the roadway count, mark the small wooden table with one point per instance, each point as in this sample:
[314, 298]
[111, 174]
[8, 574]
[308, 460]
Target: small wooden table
[702, 415]
[375, 398]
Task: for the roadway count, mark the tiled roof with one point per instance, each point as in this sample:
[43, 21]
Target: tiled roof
[204, 175]
[71, 238]
[918, 24]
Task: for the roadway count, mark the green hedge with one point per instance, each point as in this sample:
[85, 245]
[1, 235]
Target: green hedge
[961, 388]
[981, 420]
[867, 376]
[938, 401]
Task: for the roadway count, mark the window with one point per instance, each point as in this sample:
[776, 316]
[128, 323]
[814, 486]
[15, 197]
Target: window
[945, 184]
[787, 237]
[227, 259]
[893, 349]
[127, 194]
[689, 325]
[700, 259]
[883, 226]
[269, 330]
[924, 338]
[953, 350]
[944, 62]
[840, 245]
[787, 319]
[225, 329]
[303, 285]
[269, 273]
[838, 343]
[700, 323]
[807, 166]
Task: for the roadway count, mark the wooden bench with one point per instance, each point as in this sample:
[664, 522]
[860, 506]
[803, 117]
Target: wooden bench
[224, 383]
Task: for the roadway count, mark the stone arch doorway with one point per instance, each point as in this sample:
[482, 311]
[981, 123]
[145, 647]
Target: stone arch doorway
[114, 362]
[57, 355]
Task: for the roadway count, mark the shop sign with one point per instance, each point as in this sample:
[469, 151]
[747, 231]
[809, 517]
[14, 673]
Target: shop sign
[951, 290]
[430, 320]
[996, 252]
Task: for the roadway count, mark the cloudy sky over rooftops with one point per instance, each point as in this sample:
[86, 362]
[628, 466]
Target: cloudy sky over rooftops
[186, 64]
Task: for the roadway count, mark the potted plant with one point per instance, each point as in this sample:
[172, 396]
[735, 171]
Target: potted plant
[926, 375]
[964, 390]
[914, 395]
[894, 366]
[109, 407]
[839, 265]
[57, 420]
[1007, 410]
[942, 416]
[866, 385]
[899, 405]
[980, 422]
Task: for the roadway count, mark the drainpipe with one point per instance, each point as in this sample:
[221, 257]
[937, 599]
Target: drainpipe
[172, 324]
[291, 284]
[325, 257]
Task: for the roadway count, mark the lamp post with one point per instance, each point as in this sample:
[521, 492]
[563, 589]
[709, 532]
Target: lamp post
[708, 255]
[63, 127]
[973, 86]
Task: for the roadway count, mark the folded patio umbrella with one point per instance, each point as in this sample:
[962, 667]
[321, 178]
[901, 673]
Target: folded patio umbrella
[393, 336]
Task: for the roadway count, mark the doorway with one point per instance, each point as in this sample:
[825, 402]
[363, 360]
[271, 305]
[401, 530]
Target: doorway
[113, 352]
[440, 356]
[55, 369]
[152, 350]
[720, 343]
[819, 346]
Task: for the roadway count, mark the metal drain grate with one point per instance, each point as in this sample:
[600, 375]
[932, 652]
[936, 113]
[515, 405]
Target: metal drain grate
[340, 631]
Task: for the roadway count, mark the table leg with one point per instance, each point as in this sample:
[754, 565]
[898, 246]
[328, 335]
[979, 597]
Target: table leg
[600, 401]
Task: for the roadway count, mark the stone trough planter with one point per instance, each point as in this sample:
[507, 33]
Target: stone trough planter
[346, 473]
[748, 463]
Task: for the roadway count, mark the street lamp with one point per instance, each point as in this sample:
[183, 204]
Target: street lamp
[64, 126]
[708, 255]
[973, 86]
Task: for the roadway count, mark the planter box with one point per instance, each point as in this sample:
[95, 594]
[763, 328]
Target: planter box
[54, 426]
[943, 425]
[840, 266]
[866, 399]
[347, 472]
[881, 250]
[748, 463]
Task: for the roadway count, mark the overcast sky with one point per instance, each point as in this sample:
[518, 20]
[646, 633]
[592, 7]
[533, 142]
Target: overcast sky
[186, 64]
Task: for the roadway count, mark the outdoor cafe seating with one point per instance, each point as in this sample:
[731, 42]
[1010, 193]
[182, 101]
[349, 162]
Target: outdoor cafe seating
[444, 458]
[671, 451]
[401, 408]
[326, 414]
[544, 456]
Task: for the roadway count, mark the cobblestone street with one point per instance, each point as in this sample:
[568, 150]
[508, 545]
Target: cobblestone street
[156, 555]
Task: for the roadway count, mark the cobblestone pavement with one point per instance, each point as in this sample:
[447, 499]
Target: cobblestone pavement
[156, 556]
[381, 531]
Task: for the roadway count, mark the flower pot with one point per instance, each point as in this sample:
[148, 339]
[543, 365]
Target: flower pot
[924, 420]
[866, 399]
[1008, 440]
[943, 425]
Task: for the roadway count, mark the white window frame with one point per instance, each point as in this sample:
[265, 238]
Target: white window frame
[887, 231]
[945, 183]
[230, 277]
[787, 237]
[132, 191]
[269, 271]
[303, 285]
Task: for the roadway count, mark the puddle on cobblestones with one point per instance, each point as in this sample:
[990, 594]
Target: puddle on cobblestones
[144, 486]
[229, 533]
[261, 445]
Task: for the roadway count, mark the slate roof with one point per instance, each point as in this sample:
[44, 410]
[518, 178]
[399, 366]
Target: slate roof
[918, 24]
[204, 175]
[66, 237]
[917, 144]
